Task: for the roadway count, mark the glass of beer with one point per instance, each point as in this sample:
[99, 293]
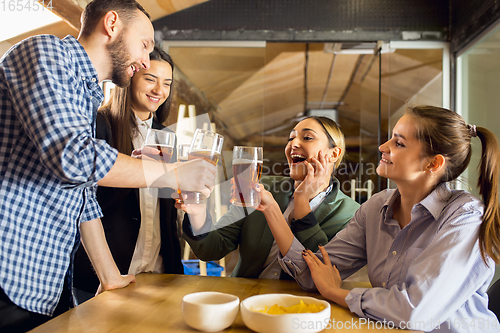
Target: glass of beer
[206, 145]
[247, 170]
[183, 152]
[162, 141]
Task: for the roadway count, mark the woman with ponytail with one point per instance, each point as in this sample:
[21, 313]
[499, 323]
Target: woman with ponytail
[430, 250]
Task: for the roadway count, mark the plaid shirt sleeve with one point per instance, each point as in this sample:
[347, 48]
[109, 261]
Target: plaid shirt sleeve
[91, 210]
[55, 118]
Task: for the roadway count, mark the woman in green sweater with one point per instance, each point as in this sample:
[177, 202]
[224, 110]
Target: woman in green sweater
[310, 200]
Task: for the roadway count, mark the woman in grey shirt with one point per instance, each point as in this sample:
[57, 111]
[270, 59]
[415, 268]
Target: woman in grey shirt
[430, 250]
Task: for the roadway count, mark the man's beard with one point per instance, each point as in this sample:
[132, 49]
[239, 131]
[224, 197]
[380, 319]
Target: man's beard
[119, 55]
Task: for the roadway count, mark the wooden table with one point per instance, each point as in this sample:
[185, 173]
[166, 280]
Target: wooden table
[153, 304]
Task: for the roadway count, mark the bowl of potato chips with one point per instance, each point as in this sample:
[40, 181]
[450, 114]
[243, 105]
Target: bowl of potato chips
[285, 313]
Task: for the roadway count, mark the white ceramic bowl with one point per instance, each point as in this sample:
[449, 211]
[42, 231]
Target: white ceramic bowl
[210, 311]
[283, 323]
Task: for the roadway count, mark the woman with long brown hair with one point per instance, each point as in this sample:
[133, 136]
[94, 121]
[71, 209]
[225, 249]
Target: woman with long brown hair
[430, 250]
[140, 224]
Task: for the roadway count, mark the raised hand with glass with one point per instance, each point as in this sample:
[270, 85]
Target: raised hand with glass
[159, 145]
[206, 145]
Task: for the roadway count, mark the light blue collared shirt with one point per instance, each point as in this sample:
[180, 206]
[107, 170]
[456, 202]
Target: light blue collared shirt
[429, 275]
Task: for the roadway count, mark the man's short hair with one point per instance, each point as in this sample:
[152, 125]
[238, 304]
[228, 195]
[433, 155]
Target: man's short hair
[96, 9]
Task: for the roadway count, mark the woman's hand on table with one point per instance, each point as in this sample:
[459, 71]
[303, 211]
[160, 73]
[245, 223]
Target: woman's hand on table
[121, 282]
[326, 276]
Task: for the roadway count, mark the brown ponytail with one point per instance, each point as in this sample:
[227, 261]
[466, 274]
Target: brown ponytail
[489, 233]
[444, 132]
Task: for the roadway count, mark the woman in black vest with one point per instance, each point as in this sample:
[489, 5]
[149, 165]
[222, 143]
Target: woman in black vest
[140, 224]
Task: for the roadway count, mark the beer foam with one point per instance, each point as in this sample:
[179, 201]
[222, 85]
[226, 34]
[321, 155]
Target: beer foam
[245, 161]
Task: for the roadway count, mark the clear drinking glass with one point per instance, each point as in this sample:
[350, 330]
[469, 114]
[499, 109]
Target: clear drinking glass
[162, 141]
[247, 170]
[206, 145]
[183, 152]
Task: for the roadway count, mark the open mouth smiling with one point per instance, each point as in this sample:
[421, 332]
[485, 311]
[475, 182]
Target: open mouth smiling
[297, 158]
[134, 68]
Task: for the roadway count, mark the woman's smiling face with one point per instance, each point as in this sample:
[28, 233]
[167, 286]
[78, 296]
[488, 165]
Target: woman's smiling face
[151, 87]
[306, 140]
[402, 156]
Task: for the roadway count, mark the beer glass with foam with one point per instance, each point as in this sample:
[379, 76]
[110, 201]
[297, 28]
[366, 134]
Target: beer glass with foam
[206, 145]
[162, 141]
[247, 170]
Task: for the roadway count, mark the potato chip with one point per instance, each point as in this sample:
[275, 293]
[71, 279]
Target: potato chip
[276, 309]
[297, 308]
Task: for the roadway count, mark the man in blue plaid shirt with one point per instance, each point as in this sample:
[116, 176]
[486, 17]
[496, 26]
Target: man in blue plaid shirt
[51, 163]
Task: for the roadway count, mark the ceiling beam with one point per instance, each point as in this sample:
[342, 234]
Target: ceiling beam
[60, 29]
[68, 10]
[160, 8]
[71, 10]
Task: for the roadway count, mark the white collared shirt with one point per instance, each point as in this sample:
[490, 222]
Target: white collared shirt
[147, 256]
